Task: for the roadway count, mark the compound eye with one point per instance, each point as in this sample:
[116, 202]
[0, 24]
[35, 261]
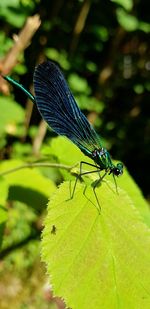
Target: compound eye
[117, 172]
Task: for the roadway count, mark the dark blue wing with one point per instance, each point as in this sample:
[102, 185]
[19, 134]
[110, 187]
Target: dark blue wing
[57, 106]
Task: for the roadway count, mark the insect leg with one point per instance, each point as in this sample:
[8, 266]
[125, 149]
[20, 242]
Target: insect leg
[115, 184]
[98, 208]
[82, 174]
[94, 190]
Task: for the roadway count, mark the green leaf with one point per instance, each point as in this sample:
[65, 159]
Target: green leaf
[15, 12]
[3, 192]
[60, 146]
[94, 258]
[3, 219]
[27, 185]
[3, 198]
[9, 120]
[128, 184]
[3, 211]
[20, 69]
[19, 227]
[6, 3]
[78, 84]
[60, 57]
[13, 16]
[130, 22]
[127, 21]
[5, 44]
[126, 4]
[145, 27]
[89, 103]
[3, 214]
[101, 33]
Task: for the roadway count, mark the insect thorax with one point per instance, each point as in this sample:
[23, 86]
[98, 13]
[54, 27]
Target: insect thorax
[102, 158]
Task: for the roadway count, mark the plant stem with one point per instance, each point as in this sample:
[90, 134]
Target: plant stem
[31, 165]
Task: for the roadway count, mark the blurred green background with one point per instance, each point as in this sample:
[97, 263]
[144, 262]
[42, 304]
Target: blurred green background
[103, 49]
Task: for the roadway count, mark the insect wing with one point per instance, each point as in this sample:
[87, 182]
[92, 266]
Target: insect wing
[57, 106]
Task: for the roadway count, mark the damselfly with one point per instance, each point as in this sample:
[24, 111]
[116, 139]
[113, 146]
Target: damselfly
[59, 109]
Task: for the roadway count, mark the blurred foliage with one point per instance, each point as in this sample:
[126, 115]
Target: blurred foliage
[103, 49]
[12, 117]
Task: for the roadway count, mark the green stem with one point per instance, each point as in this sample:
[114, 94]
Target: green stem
[30, 165]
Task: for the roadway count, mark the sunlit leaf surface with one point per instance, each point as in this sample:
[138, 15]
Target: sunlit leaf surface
[97, 260]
